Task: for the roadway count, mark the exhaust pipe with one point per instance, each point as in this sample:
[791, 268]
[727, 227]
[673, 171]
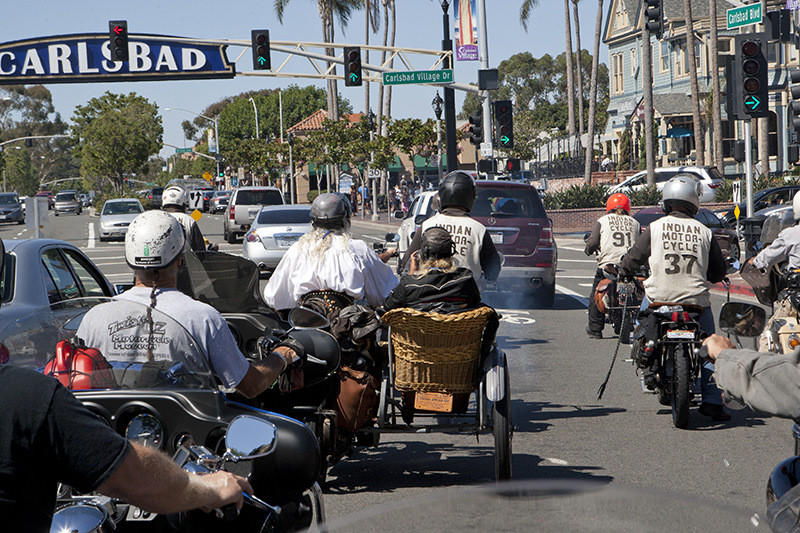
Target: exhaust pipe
[262, 267]
[536, 282]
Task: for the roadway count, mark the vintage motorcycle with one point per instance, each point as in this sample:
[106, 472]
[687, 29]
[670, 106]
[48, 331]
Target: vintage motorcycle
[620, 301]
[170, 402]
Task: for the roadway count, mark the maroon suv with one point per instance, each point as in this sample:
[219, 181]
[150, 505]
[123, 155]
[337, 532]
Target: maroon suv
[516, 220]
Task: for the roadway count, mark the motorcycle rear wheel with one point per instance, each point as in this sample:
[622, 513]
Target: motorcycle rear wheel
[502, 431]
[681, 386]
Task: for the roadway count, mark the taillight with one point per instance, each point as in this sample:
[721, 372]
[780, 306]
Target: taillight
[251, 236]
[232, 215]
[714, 185]
[546, 236]
[4, 355]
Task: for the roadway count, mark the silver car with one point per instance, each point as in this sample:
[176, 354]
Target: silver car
[11, 209]
[117, 215]
[274, 230]
[219, 201]
[67, 202]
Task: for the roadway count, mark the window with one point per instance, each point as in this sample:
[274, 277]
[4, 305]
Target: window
[7, 280]
[680, 58]
[619, 85]
[664, 63]
[621, 16]
[633, 63]
[64, 286]
[259, 197]
[92, 282]
[508, 203]
[284, 216]
[723, 46]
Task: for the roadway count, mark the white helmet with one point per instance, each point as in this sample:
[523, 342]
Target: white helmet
[175, 195]
[796, 205]
[154, 239]
[682, 191]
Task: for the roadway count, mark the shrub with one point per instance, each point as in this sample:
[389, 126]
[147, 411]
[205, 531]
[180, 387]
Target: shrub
[577, 197]
[645, 196]
[312, 194]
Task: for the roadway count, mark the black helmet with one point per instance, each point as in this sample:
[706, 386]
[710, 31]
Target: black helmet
[436, 244]
[329, 211]
[458, 189]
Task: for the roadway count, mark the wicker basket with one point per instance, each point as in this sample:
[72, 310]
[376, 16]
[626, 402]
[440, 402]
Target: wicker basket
[436, 353]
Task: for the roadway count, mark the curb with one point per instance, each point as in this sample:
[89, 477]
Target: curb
[743, 290]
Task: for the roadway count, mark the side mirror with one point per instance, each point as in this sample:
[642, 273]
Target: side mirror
[419, 219]
[249, 437]
[304, 318]
[741, 319]
[399, 215]
[392, 237]
[586, 236]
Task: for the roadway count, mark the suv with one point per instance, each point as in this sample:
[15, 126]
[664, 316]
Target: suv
[518, 225]
[67, 202]
[243, 207]
[49, 196]
[708, 176]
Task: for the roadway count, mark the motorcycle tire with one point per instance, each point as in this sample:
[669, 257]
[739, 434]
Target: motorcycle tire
[626, 328]
[317, 425]
[502, 429]
[681, 386]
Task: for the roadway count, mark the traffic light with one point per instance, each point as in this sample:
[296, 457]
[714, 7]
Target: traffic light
[794, 115]
[259, 41]
[655, 19]
[118, 39]
[352, 66]
[221, 166]
[513, 165]
[475, 130]
[751, 67]
[503, 114]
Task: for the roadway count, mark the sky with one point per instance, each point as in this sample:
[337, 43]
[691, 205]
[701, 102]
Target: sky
[419, 25]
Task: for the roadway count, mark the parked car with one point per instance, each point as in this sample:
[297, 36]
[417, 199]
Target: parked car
[243, 206]
[726, 238]
[152, 197]
[420, 210]
[761, 200]
[219, 201]
[709, 177]
[41, 272]
[518, 225]
[274, 230]
[67, 202]
[11, 209]
[50, 198]
[117, 215]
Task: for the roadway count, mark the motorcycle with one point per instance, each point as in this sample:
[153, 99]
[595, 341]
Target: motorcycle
[620, 301]
[170, 402]
[782, 285]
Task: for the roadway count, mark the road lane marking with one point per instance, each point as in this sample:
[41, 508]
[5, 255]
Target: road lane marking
[90, 244]
[20, 233]
[560, 462]
[583, 284]
[128, 275]
[582, 299]
[572, 248]
[560, 260]
[563, 276]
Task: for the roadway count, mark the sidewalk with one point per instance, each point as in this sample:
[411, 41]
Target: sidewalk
[389, 224]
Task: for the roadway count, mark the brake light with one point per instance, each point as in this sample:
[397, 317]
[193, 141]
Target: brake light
[546, 235]
[714, 185]
[251, 236]
[232, 215]
[4, 355]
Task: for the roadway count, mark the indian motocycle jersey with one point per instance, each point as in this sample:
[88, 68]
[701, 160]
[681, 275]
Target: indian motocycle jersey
[679, 256]
[617, 234]
[467, 234]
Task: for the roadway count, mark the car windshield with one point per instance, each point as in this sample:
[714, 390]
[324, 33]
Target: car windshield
[122, 208]
[8, 199]
[266, 197]
[65, 197]
[284, 216]
[222, 194]
[158, 191]
[133, 346]
[508, 203]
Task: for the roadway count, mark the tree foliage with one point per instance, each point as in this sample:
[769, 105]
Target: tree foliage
[414, 137]
[115, 135]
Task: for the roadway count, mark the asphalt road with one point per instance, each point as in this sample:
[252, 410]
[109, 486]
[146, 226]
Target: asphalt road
[563, 431]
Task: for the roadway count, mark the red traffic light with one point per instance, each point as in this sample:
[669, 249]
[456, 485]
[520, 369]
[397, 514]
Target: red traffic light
[750, 48]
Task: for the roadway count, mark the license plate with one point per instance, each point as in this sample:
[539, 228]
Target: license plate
[680, 334]
[287, 241]
[497, 238]
[433, 401]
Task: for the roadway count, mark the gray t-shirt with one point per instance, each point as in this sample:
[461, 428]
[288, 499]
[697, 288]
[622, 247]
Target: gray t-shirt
[122, 333]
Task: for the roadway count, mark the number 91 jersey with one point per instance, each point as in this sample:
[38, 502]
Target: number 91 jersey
[679, 252]
[617, 235]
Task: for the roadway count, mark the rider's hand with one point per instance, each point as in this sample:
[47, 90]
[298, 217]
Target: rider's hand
[225, 488]
[413, 263]
[715, 344]
[287, 353]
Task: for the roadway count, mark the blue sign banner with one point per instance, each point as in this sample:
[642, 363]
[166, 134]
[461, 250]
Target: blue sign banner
[84, 58]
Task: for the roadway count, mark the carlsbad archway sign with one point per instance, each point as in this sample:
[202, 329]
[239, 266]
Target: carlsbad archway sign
[83, 58]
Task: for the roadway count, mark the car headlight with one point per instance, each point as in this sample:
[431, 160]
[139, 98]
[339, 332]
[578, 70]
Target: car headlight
[145, 429]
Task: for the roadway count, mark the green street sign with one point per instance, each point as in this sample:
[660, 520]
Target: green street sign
[504, 140]
[418, 76]
[744, 16]
[752, 103]
[183, 150]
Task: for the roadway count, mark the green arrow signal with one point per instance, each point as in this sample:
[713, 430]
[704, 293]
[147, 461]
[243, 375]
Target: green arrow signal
[752, 102]
[353, 76]
[504, 139]
[261, 60]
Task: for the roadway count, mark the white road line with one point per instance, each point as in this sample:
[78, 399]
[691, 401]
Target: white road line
[91, 243]
[560, 260]
[583, 284]
[128, 275]
[20, 233]
[560, 462]
[571, 248]
[582, 299]
[562, 276]
[120, 262]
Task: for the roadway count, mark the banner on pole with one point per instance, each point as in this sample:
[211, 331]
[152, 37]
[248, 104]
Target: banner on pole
[466, 26]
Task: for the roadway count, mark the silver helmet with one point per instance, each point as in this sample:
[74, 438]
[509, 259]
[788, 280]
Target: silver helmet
[682, 191]
[328, 210]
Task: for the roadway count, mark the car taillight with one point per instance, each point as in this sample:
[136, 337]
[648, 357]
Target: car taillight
[251, 236]
[546, 235]
[4, 355]
[232, 215]
[714, 185]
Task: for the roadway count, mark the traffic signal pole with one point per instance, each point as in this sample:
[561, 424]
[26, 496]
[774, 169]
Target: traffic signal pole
[449, 94]
[483, 37]
[748, 166]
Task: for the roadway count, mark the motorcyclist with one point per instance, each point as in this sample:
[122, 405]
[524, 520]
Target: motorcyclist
[474, 247]
[684, 259]
[174, 200]
[154, 247]
[329, 264]
[785, 247]
[612, 236]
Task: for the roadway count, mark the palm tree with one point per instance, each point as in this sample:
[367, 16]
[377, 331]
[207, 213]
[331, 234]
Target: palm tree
[716, 114]
[598, 30]
[392, 12]
[329, 10]
[579, 69]
[371, 10]
[697, 121]
[385, 92]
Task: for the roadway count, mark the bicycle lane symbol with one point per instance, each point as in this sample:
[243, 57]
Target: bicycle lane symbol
[517, 317]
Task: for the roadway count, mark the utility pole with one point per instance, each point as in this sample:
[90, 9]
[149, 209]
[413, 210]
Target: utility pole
[449, 94]
[483, 37]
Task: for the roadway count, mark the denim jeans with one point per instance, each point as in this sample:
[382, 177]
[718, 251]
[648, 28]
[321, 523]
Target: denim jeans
[708, 387]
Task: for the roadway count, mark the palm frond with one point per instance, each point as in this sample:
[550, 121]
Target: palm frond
[525, 12]
[280, 7]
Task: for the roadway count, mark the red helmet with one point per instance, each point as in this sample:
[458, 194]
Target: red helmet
[618, 201]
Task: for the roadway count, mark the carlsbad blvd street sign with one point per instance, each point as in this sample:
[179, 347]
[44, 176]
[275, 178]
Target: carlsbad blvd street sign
[87, 58]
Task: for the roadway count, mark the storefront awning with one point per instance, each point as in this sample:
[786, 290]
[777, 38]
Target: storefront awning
[422, 164]
[679, 132]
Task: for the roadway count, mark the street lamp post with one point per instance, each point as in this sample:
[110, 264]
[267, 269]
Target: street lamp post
[290, 140]
[216, 131]
[449, 93]
[255, 110]
[371, 126]
[437, 109]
